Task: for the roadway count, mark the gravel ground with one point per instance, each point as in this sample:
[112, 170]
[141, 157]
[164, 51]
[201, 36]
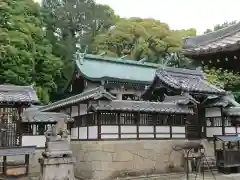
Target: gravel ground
[207, 176]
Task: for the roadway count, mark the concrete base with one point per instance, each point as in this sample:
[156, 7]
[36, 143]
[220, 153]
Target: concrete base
[57, 168]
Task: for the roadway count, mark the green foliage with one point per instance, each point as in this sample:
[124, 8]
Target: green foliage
[139, 38]
[25, 54]
[43, 94]
[224, 79]
[71, 26]
[220, 26]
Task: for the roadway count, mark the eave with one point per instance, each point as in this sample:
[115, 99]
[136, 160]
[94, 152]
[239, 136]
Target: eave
[223, 40]
[92, 94]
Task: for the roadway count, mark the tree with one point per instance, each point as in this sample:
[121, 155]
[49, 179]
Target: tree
[220, 26]
[71, 26]
[227, 80]
[25, 54]
[139, 38]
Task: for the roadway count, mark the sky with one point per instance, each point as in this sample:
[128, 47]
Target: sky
[179, 14]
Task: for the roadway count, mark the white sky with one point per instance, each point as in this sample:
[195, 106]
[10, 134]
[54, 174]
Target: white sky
[179, 14]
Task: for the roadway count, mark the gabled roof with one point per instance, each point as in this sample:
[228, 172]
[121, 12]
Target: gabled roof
[183, 99]
[33, 115]
[183, 80]
[17, 94]
[98, 68]
[96, 93]
[141, 106]
[227, 39]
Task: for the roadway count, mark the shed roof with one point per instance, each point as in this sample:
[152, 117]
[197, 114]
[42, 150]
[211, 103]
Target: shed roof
[17, 94]
[142, 106]
[98, 68]
[223, 40]
[34, 115]
[96, 93]
[227, 138]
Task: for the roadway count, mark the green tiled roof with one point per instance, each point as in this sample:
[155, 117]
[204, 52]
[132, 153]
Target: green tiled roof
[97, 68]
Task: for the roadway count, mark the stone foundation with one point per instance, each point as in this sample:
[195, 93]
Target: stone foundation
[103, 160]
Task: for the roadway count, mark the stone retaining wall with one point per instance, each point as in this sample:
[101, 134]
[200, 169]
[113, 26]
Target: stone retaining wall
[102, 160]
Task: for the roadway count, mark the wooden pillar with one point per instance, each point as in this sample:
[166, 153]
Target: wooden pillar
[119, 125]
[138, 122]
[99, 125]
[4, 168]
[154, 124]
[27, 163]
[223, 122]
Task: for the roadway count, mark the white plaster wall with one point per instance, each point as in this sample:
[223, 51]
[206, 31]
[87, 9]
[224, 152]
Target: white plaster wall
[74, 133]
[146, 129]
[238, 130]
[213, 112]
[109, 132]
[38, 141]
[109, 136]
[178, 132]
[92, 132]
[163, 129]
[213, 131]
[230, 130]
[128, 129]
[178, 129]
[83, 133]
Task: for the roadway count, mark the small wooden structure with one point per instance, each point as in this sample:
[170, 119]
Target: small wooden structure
[227, 152]
[13, 100]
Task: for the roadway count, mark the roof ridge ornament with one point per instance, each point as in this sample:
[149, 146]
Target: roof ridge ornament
[80, 56]
[142, 60]
[122, 57]
[102, 54]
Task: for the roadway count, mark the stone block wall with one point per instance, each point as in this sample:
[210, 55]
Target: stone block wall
[103, 160]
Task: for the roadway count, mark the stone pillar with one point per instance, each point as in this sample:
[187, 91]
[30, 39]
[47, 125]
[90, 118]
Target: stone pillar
[57, 168]
[119, 96]
[57, 162]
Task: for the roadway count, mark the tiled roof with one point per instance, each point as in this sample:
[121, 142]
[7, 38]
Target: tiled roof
[232, 111]
[21, 94]
[216, 101]
[142, 106]
[34, 115]
[227, 39]
[186, 80]
[183, 99]
[98, 68]
[96, 93]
